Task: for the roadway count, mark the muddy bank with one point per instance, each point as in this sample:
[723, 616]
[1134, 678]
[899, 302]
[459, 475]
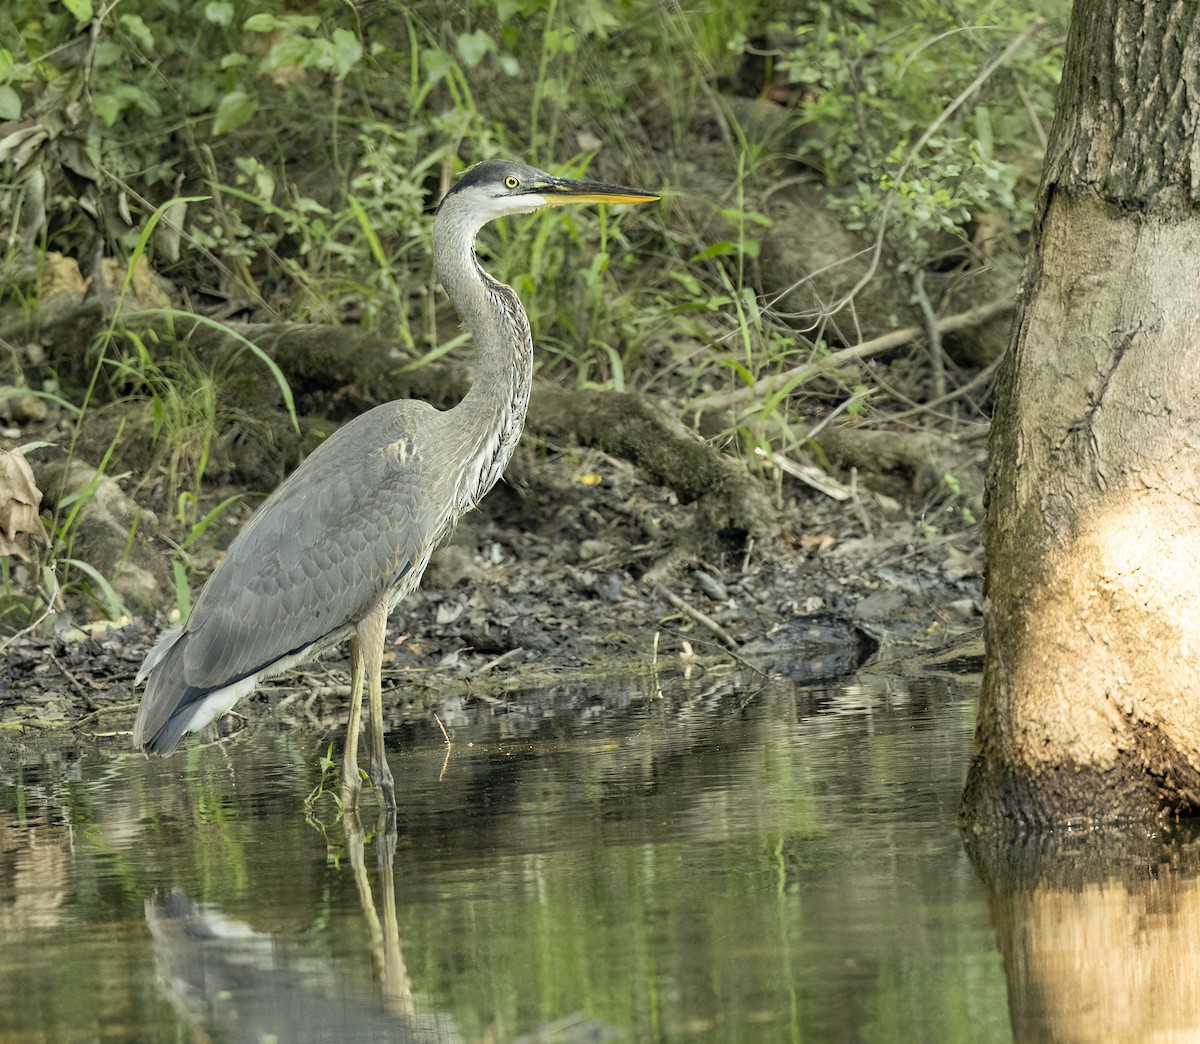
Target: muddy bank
[576, 566]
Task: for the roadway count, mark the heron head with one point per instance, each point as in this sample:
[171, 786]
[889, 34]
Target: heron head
[494, 188]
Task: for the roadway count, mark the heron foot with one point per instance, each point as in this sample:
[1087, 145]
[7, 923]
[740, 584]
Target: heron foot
[381, 776]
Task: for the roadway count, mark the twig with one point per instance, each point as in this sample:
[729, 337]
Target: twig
[876, 249]
[49, 599]
[876, 346]
[500, 659]
[449, 747]
[733, 654]
[746, 556]
[75, 683]
[1031, 112]
[445, 734]
[809, 474]
[860, 508]
[984, 74]
[105, 710]
[978, 381]
[703, 619]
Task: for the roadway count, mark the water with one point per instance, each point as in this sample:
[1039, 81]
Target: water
[702, 864]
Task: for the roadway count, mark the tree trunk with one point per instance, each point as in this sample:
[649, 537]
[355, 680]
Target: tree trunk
[1091, 694]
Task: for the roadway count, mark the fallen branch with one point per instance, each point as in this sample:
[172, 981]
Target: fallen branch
[731, 502]
[876, 346]
[703, 619]
[338, 371]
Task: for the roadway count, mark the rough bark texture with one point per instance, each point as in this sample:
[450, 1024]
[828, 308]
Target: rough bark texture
[1091, 694]
[731, 502]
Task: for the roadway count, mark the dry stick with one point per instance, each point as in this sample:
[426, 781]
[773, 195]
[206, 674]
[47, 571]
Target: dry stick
[701, 618]
[445, 734]
[449, 747]
[115, 708]
[876, 346]
[75, 683]
[492, 664]
[978, 381]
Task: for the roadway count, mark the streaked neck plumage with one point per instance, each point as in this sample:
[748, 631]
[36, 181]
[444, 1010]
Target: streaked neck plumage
[491, 415]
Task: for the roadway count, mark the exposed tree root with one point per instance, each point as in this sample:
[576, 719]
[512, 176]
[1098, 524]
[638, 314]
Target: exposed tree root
[336, 372]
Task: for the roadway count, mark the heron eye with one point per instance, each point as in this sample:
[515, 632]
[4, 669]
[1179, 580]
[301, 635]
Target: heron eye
[512, 181]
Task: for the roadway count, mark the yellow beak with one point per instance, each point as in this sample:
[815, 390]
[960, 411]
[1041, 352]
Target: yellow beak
[560, 191]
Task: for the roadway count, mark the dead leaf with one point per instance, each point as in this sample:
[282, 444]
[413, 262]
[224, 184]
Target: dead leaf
[61, 275]
[20, 500]
[146, 287]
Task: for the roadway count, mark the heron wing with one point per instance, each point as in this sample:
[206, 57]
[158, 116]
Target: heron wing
[356, 518]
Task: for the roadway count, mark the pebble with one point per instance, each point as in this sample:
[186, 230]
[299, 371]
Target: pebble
[711, 586]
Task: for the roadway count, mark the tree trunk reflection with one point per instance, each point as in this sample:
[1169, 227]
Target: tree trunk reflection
[1100, 934]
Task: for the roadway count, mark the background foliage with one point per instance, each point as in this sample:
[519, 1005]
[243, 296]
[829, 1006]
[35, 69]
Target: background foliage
[276, 161]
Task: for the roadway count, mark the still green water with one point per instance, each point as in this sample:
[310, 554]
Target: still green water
[696, 863]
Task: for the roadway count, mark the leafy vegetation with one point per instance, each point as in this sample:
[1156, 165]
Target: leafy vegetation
[273, 164]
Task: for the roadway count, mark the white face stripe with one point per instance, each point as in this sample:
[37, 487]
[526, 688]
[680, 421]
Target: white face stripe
[491, 206]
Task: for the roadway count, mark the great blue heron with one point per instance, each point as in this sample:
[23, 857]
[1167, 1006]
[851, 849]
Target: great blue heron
[350, 532]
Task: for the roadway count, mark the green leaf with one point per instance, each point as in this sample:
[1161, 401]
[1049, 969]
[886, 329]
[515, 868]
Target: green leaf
[234, 110]
[197, 531]
[128, 95]
[474, 47]
[112, 600]
[6, 64]
[10, 104]
[220, 12]
[203, 320]
[595, 18]
[107, 53]
[715, 250]
[688, 281]
[437, 63]
[347, 51]
[81, 9]
[262, 23]
[138, 29]
[183, 590]
[108, 107]
[291, 50]
[364, 223]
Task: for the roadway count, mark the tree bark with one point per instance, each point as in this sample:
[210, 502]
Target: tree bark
[1090, 708]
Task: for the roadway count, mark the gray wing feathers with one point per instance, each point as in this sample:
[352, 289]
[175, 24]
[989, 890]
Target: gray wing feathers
[314, 559]
[157, 652]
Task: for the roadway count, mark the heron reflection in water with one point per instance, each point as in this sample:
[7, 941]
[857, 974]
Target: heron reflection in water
[350, 532]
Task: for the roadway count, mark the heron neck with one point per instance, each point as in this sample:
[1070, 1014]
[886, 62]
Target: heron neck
[492, 413]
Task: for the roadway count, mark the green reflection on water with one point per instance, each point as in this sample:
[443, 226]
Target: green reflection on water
[707, 867]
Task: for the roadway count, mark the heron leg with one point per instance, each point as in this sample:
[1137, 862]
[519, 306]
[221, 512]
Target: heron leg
[351, 776]
[371, 634]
